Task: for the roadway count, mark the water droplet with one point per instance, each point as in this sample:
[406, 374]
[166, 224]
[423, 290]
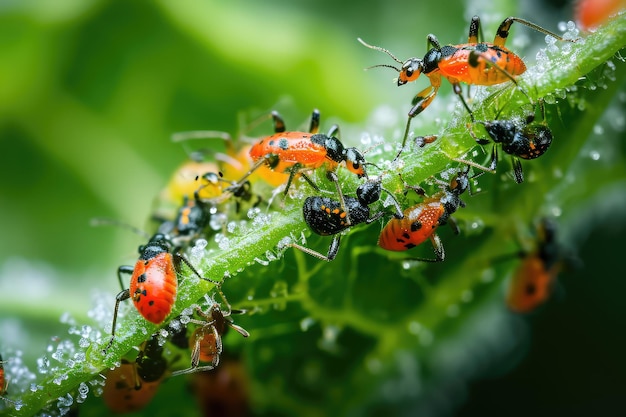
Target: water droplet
[306, 323]
[595, 155]
[83, 390]
[253, 212]
[329, 338]
[65, 401]
[59, 379]
[260, 261]
[556, 211]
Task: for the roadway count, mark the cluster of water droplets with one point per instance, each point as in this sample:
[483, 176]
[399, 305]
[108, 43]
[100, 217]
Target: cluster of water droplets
[555, 49]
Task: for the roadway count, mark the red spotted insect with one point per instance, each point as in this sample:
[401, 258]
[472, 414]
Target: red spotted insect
[534, 280]
[132, 386]
[153, 282]
[206, 340]
[477, 63]
[420, 222]
[295, 152]
[327, 217]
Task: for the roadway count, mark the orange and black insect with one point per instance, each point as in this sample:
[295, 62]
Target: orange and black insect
[524, 139]
[295, 152]
[420, 222]
[477, 63]
[534, 280]
[327, 217]
[153, 283]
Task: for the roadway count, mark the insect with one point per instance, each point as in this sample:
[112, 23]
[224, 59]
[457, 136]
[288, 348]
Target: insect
[131, 386]
[153, 282]
[478, 63]
[184, 182]
[420, 222]
[526, 140]
[590, 14]
[534, 280]
[225, 391]
[295, 152]
[4, 383]
[206, 340]
[326, 217]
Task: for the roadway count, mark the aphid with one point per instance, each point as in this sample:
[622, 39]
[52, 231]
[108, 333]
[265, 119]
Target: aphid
[206, 340]
[153, 282]
[477, 63]
[420, 221]
[534, 280]
[326, 217]
[295, 152]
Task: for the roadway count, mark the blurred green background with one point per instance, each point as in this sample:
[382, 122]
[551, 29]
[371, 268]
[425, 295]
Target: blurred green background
[91, 91]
